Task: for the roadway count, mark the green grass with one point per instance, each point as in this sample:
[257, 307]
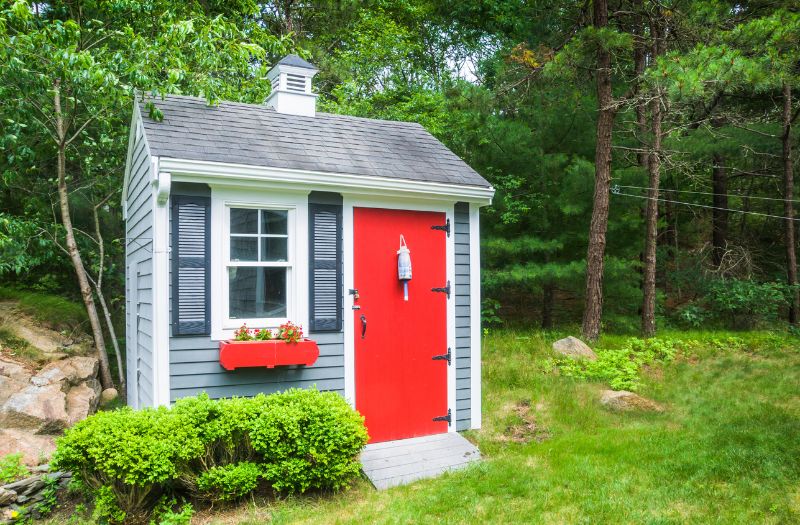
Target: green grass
[726, 451]
[54, 311]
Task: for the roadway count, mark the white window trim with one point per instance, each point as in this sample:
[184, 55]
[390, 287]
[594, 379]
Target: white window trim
[222, 199]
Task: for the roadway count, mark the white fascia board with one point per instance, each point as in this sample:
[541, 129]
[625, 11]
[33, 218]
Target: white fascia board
[161, 317]
[256, 176]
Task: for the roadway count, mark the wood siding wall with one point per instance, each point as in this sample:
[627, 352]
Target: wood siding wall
[139, 277]
[463, 337]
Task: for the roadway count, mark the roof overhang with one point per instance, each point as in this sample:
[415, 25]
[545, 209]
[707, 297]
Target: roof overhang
[222, 173]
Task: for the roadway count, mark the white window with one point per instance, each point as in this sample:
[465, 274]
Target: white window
[259, 251]
[258, 268]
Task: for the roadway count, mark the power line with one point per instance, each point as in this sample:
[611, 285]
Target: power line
[709, 193]
[616, 191]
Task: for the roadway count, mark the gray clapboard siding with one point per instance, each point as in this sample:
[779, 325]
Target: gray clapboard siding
[462, 304]
[194, 360]
[139, 276]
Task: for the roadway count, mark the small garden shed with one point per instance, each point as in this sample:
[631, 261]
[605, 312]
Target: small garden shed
[256, 215]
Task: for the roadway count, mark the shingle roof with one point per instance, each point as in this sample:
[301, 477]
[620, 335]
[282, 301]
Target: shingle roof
[260, 136]
[295, 61]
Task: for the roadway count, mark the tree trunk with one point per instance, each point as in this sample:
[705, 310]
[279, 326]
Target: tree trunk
[788, 205]
[651, 215]
[593, 310]
[547, 305]
[72, 246]
[98, 286]
[719, 217]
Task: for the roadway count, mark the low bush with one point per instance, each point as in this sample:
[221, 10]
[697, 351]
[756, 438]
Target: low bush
[621, 368]
[12, 468]
[293, 441]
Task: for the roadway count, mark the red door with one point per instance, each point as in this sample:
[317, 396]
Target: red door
[400, 388]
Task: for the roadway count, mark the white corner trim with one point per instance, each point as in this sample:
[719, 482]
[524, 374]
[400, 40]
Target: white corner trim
[475, 315]
[256, 176]
[135, 134]
[161, 318]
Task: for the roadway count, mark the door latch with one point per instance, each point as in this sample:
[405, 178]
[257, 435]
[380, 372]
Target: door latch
[445, 227]
[448, 417]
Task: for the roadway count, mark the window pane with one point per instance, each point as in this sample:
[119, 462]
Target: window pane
[244, 221]
[256, 293]
[273, 222]
[274, 249]
[244, 248]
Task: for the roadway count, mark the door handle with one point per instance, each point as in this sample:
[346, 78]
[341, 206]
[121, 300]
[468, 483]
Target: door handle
[363, 326]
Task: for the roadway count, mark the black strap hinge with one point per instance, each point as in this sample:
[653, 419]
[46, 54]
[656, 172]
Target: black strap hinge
[446, 289]
[444, 357]
[445, 227]
[448, 418]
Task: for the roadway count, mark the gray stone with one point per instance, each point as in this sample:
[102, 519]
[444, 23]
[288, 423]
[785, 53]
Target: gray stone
[22, 486]
[38, 408]
[73, 370]
[10, 386]
[81, 401]
[574, 348]
[7, 496]
[13, 369]
[624, 401]
[107, 396]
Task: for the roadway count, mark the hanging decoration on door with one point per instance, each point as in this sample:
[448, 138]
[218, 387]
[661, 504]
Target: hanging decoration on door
[404, 265]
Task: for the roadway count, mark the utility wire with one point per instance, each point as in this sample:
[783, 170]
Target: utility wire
[665, 190]
[615, 190]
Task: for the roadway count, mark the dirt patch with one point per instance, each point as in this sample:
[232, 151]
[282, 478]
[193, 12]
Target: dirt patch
[29, 339]
[527, 429]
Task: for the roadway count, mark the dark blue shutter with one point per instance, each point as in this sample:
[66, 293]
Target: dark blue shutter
[325, 267]
[191, 260]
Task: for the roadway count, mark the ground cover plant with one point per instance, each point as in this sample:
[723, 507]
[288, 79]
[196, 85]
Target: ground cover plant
[130, 462]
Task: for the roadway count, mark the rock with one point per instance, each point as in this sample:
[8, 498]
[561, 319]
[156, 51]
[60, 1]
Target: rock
[623, 401]
[12, 369]
[574, 348]
[26, 486]
[34, 448]
[107, 396]
[7, 496]
[10, 386]
[81, 401]
[41, 469]
[72, 369]
[38, 408]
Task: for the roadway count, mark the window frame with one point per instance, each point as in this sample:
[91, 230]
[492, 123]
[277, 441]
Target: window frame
[296, 206]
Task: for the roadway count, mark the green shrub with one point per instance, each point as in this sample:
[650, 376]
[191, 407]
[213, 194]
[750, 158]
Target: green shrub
[230, 482]
[621, 368]
[295, 441]
[11, 468]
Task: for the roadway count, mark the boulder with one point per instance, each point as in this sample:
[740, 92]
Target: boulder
[574, 348]
[41, 409]
[624, 401]
[13, 370]
[34, 448]
[81, 401]
[10, 386]
[107, 396]
[73, 370]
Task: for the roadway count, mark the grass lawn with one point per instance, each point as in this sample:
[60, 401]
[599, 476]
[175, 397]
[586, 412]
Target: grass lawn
[726, 450]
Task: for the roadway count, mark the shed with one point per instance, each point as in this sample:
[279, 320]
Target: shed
[245, 214]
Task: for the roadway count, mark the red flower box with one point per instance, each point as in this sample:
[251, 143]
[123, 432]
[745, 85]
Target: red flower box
[270, 353]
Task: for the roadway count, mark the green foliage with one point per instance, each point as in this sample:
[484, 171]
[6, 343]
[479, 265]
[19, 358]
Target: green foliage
[621, 368]
[49, 495]
[747, 303]
[12, 468]
[230, 482]
[165, 513]
[295, 441]
[53, 311]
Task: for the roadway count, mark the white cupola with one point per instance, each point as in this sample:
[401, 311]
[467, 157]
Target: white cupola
[291, 87]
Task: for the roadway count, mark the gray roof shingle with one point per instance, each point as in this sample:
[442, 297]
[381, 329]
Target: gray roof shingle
[257, 135]
[295, 61]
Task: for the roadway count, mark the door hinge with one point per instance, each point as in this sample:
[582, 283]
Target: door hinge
[448, 417]
[446, 289]
[445, 227]
[444, 357]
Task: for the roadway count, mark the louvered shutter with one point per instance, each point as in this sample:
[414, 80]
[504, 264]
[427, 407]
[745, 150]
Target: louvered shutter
[191, 259]
[325, 266]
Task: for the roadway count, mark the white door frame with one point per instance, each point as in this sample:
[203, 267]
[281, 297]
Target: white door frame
[354, 201]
